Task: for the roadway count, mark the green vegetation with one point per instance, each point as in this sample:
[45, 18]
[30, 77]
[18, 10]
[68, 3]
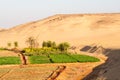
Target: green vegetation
[9, 44]
[49, 44]
[48, 47]
[52, 53]
[63, 46]
[49, 53]
[2, 49]
[9, 60]
[39, 59]
[85, 58]
[15, 44]
[61, 58]
[40, 51]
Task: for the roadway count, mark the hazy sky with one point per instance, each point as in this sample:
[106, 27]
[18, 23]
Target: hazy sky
[15, 12]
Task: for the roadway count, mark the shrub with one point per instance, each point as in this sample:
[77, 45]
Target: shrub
[44, 44]
[63, 46]
[49, 44]
[9, 44]
[16, 44]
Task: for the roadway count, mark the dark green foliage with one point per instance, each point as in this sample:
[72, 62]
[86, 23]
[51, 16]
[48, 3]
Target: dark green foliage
[54, 45]
[49, 44]
[44, 44]
[9, 60]
[16, 44]
[9, 44]
[63, 46]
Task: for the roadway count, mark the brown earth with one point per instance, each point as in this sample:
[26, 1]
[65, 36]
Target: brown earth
[7, 53]
[73, 71]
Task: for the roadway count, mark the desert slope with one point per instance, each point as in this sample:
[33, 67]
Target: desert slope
[78, 29]
[1, 29]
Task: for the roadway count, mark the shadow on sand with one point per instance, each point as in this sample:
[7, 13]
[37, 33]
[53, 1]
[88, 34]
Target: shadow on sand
[110, 70]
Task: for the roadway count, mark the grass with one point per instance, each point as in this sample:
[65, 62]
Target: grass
[85, 58]
[61, 58]
[9, 60]
[1, 49]
[38, 59]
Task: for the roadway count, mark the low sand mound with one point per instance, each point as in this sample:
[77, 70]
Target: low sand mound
[93, 49]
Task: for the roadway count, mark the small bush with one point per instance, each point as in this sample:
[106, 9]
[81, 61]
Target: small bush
[15, 44]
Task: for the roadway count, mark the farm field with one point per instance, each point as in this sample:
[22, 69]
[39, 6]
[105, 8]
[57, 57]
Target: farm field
[73, 71]
[9, 60]
[61, 58]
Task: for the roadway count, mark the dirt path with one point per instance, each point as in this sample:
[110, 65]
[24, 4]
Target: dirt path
[7, 53]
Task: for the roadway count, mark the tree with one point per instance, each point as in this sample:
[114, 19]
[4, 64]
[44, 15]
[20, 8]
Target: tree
[31, 42]
[16, 44]
[49, 44]
[9, 44]
[44, 44]
[54, 45]
[63, 46]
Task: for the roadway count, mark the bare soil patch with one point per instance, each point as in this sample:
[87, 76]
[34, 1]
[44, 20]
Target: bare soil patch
[72, 71]
[7, 53]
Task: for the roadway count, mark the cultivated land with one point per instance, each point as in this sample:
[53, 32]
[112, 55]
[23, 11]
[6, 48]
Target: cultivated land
[72, 71]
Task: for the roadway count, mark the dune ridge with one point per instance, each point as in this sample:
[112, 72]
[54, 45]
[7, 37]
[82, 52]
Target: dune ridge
[77, 29]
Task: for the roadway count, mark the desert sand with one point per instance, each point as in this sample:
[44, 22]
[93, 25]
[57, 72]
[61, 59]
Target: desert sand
[77, 29]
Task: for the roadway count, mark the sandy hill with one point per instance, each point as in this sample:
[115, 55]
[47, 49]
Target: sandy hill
[1, 29]
[78, 29]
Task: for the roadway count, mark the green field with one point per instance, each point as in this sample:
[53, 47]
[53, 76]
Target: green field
[84, 58]
[39, 59]
[61, 58]
[9, 60]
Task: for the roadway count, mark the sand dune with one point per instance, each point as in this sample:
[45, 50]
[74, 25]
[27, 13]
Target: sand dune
[78, 29]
